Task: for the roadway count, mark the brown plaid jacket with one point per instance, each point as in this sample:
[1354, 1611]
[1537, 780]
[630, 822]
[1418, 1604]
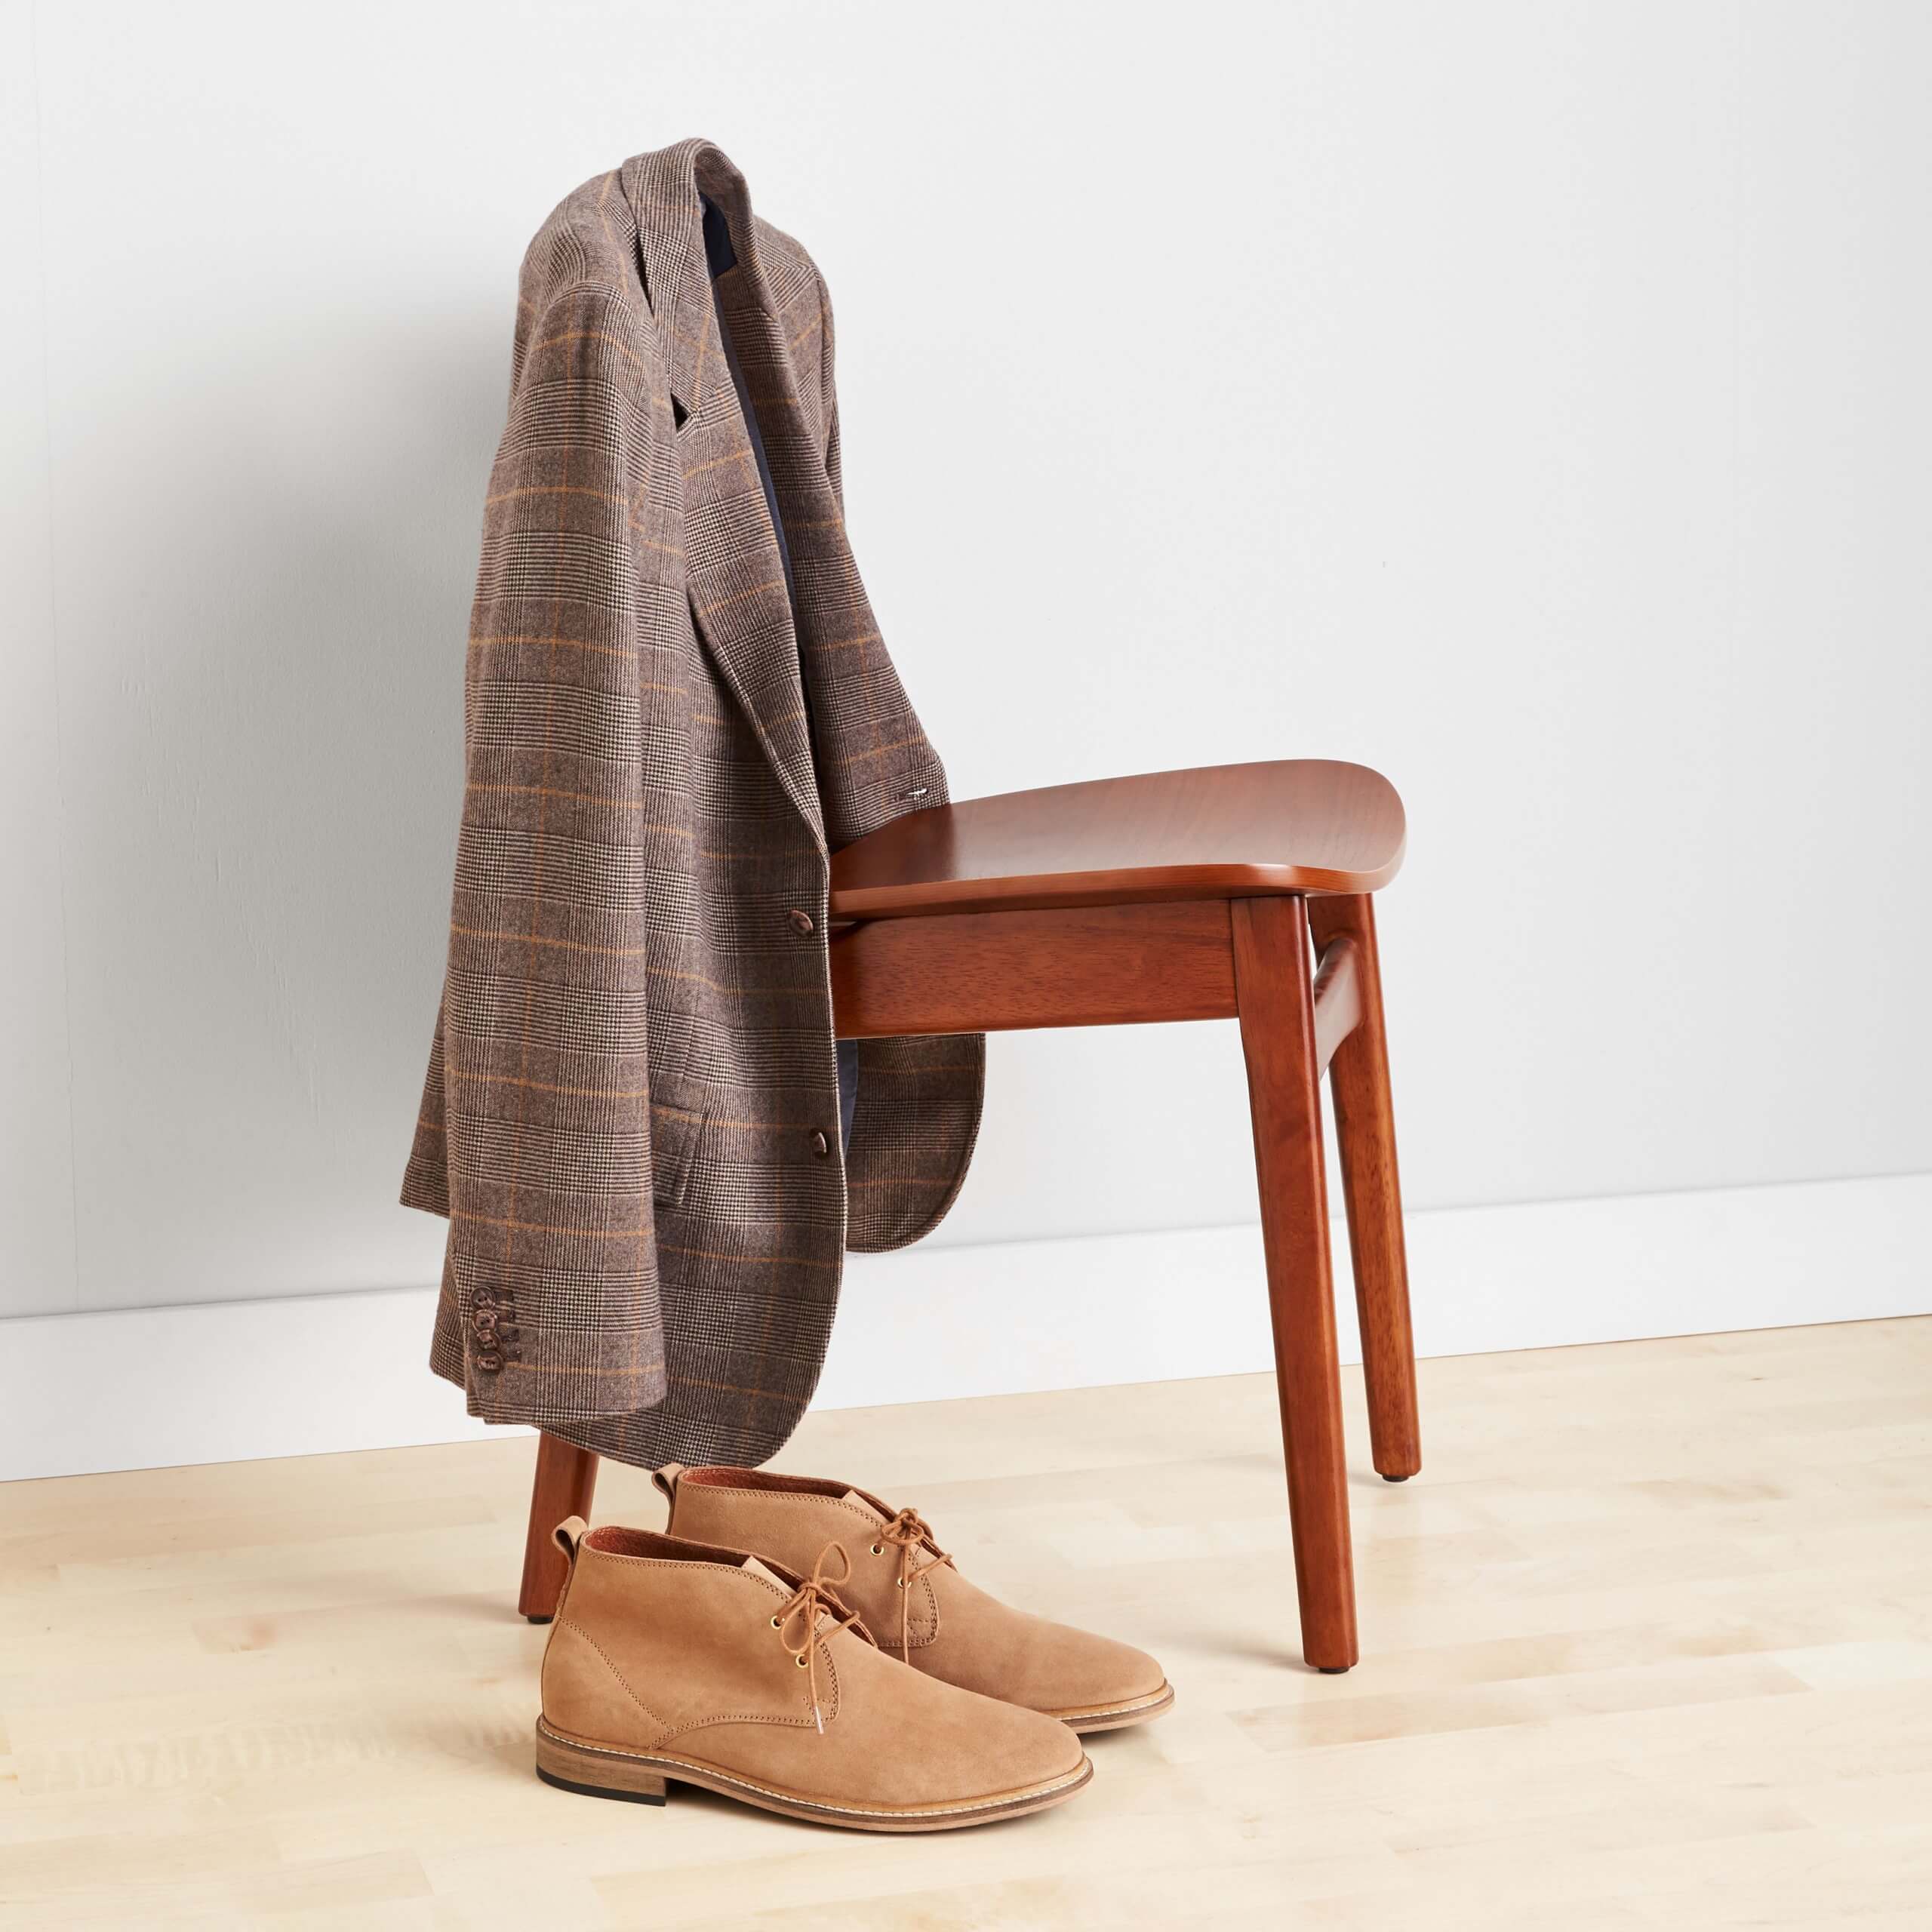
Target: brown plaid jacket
[631, 1114]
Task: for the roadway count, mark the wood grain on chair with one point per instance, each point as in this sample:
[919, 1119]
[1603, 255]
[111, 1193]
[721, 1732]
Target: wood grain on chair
[1221, 831]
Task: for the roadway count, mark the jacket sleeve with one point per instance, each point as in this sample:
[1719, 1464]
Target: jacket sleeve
[552, 1261]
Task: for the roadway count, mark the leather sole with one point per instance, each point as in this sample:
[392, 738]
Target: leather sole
[598, 1770]
[1117, 1717]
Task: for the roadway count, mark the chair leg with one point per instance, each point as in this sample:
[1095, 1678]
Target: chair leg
[566, 1480]
[1274, 991]
[1365, 1134]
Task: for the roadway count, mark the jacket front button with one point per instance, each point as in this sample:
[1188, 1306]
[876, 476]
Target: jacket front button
[820, 1146]
[802, 924]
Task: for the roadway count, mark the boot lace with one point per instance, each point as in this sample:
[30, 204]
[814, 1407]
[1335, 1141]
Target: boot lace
[909, 1532]
[799, 1619]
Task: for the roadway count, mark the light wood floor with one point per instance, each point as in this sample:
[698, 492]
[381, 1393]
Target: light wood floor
[1649, 1642]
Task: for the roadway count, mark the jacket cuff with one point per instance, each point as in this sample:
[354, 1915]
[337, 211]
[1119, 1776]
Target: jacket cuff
[518, 1362]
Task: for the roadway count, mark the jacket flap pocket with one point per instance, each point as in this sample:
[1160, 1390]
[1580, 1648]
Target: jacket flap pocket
[676, 1133]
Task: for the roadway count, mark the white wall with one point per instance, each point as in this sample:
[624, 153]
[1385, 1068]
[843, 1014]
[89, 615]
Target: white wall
[1529, 400]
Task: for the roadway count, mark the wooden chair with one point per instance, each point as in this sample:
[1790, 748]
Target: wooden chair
[1231, 891]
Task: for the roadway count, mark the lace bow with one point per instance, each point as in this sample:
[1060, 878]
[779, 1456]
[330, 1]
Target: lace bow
[800, 1617]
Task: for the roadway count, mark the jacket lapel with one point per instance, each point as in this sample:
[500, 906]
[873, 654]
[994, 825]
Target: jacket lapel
[866, 738]
[739, 598]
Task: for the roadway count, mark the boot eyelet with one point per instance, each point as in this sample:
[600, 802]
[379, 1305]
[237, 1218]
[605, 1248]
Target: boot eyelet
[878, 1549]
[900, 1581]
[800, 1662]
[776, 1622]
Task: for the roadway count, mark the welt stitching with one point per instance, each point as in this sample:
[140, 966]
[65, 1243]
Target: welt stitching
[818, 1804]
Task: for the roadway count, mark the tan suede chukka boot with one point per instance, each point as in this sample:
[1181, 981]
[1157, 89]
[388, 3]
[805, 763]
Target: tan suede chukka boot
[913, 1599]
[677, 1662]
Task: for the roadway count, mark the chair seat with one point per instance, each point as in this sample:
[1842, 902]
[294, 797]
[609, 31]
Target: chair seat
[1216, 832]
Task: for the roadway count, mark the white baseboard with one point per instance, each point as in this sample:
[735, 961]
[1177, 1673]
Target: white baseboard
[150, 1388]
